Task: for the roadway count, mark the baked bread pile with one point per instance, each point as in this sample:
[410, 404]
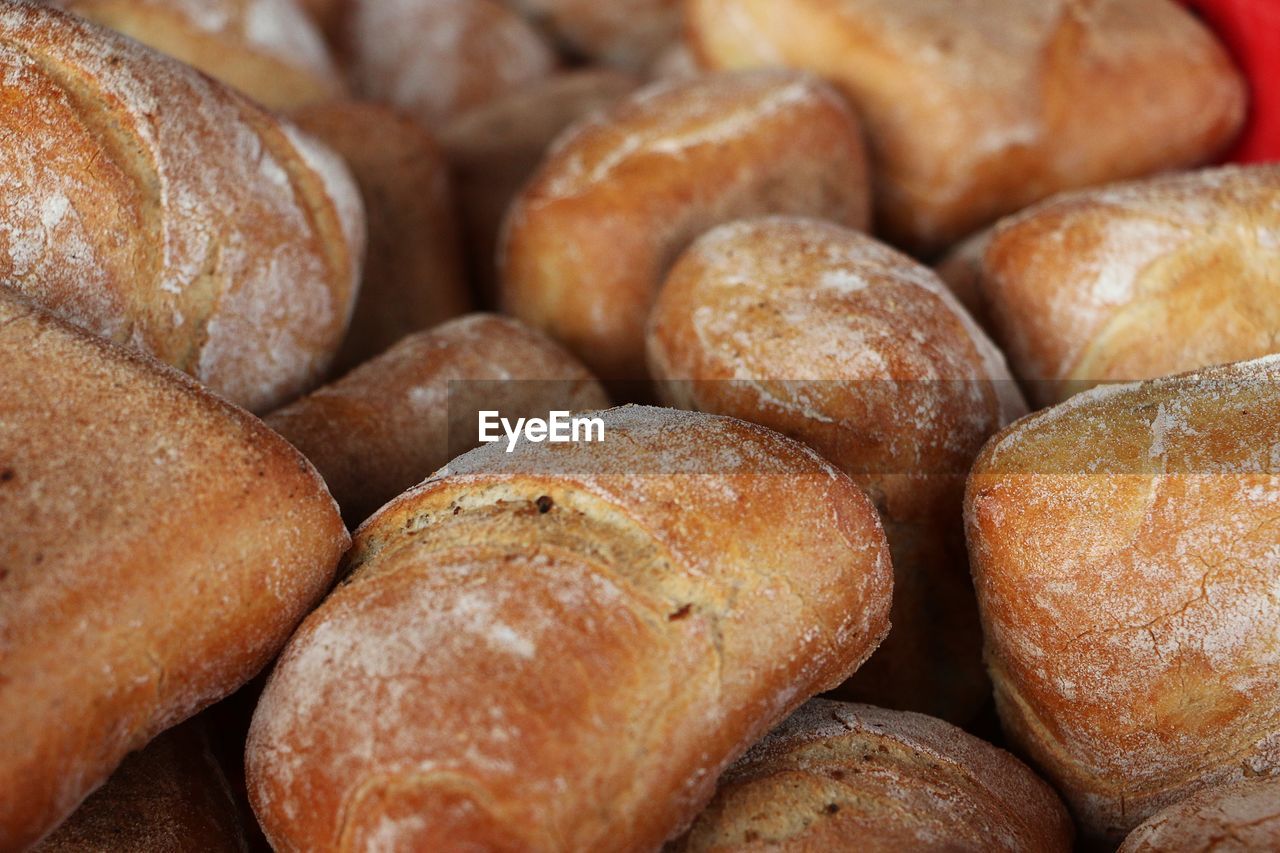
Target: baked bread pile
[919, 485]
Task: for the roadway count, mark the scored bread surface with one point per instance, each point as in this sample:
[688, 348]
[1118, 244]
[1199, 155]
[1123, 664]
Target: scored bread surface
[564, 644]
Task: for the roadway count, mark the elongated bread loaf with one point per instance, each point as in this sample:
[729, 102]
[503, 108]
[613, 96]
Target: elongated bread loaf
[157, 547]
[587, 243]
[1124, 549]
[437, 59]
[624, 33]
[171, 797]
[268, 49]
[159, 209]
[567, 644]
[840, 342]
[394, 420]
[976, 108]
[1239, 818]
[414, 276]
[1135, 280]
[495, 148]
[840, 777]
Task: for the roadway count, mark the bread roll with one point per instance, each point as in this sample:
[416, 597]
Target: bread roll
[842, 777]
[976, 108]
[1237, 818]
[219, 240]
[438, 58]
[392, 421]
[836, 340]
[267, 49]
[157, 547]
[624, 33]
[589, 240]
[495, 148]
[171, 796]
[567, 644]
[413, 271]
[1124, 549]
[1137, 280]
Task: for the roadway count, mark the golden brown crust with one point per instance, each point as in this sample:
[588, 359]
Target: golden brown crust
[978, 109]
[494, 148]
[1138, 280]
[157, 546]
[623, 33]
[218, 239]
[394, 420]
[413, 271]
[436, 59]
[843, 777]
[267, 49]
[1239, 818]
[588, 241]
[170, 797]
[568, 643]
[840, 342]
[1124, 549]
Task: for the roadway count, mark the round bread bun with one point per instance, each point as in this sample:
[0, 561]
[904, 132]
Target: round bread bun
[834, 339]
[1123, 545]
[1239, 818]
[976, 108]
[389, 423]
[589, 240]
[567, 644]
[848, 778]
[1133, 281]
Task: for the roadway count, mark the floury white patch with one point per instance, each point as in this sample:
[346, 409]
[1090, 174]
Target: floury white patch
[560, 427]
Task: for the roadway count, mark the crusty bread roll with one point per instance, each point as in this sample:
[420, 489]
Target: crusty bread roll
[171, 797]
[588, 241]
[392, 421]
[842, 777]
[218, 239]
[976, 108]
[267, 49]
[1134, 281]
[561, 648]
[1124, 550]
[829, 337]
[413, 270]
[438, 58]
[624, 33]
[157, 547]
[1239, 818]
[493, 149]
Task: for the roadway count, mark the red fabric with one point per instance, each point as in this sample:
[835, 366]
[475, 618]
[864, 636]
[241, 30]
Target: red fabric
[1251, 31]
